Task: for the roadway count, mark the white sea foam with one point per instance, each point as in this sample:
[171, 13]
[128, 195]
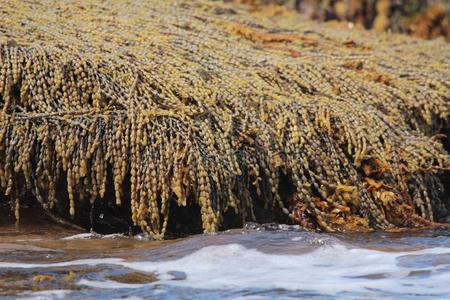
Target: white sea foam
[92, 235]
[80, 236]
[44, 295]
[78, 262]
[328, 270]
[109, 284]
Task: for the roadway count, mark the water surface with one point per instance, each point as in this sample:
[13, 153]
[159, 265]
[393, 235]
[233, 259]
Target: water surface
[257, 262]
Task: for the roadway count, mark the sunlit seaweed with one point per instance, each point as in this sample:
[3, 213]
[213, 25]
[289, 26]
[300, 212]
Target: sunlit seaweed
[164, 104]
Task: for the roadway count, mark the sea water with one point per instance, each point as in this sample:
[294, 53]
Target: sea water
[257, 262]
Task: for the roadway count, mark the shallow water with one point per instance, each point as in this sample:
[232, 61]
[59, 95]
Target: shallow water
[257, 262]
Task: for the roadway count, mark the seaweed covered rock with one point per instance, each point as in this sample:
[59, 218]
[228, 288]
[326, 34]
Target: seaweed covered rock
[427, 19]
[199, 114]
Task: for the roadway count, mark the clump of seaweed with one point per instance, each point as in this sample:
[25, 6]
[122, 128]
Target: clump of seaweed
[166, 104]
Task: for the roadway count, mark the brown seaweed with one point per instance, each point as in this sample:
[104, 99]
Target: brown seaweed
[165, 104]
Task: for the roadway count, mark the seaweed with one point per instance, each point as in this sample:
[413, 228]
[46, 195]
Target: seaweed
[144, 109]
